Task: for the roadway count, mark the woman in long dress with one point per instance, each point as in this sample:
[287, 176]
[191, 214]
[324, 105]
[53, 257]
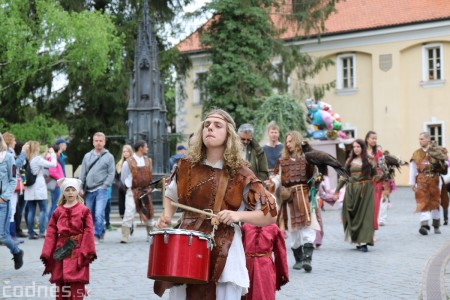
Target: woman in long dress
[358, 208]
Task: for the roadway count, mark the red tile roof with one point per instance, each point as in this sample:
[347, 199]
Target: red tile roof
[359, 15]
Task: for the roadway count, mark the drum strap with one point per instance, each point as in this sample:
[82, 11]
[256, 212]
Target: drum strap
[221, 189]
[223, 182]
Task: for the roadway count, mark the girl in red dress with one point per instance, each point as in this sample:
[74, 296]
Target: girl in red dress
[70, 221]
[374, 153]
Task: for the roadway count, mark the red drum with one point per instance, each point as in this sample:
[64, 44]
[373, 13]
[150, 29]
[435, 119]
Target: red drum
[179, 255]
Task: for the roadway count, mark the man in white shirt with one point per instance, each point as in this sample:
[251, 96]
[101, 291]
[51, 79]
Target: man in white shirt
[137, 176]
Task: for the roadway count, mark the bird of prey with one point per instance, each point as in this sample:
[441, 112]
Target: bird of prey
[438, 157]
[322, 159]
[388, 163]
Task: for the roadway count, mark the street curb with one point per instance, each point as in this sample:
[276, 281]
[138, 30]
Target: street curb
[433, 276]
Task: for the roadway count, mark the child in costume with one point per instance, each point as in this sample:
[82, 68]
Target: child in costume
[69, 245]
[265, 253]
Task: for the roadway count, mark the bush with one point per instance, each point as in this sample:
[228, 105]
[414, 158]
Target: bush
[285, 111]
[42, 129]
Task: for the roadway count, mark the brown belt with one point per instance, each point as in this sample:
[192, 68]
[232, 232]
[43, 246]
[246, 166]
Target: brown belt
[263, 254]
[298, 186]
[72, 237]
[429, 174]
[359, 182]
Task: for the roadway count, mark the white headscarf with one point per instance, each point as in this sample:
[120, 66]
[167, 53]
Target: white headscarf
[64, 183]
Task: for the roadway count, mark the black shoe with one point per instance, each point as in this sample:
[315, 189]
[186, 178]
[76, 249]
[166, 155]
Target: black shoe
[132, 229]
[423, 230]
[445, 222]
[18, 260]
[33, 237]
[21, 234]
[364, 248]
[358, 247]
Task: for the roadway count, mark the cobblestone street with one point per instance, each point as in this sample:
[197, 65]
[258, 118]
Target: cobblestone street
[392, 269]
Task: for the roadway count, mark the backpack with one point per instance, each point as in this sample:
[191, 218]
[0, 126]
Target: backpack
[30, 178]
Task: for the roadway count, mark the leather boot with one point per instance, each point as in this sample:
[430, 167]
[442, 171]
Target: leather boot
[445, 216]
[298, 255]
[308, 249]
[436, 224]
[125, 234]
[424, 228]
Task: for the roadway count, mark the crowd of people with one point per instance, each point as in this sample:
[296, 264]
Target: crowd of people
[273, 191]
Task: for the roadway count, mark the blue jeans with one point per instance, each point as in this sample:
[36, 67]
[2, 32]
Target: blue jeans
[96, 202]
[31, 205]
[55, 197]
[5, 216]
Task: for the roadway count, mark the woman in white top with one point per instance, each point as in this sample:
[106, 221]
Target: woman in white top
[36, 194]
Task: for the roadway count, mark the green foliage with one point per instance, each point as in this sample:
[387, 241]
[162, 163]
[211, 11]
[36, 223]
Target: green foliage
[243, 41]
[39, 36]
[284, 110]
[311, 15]
[42, 128]
[241, 47]
[91, 43]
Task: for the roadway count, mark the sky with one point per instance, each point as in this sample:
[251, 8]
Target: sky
[191, 25]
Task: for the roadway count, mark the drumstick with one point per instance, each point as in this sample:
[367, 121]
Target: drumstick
[304, 203]
[196, 210]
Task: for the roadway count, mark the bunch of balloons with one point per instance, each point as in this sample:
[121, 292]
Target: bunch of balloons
[325, 124]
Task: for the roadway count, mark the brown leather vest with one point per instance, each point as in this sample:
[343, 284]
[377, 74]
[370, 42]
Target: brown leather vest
[294, 172]
[141, 176]
[197, 187]
[422, 161]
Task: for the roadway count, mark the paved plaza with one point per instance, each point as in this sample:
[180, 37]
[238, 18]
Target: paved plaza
[397, 267]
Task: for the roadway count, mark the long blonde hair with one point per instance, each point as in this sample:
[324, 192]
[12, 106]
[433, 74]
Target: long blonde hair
[33, 149]
[122, 159]
[9, 138]
[62, 200]
[232, 156]
[297, 139]
[3, 146]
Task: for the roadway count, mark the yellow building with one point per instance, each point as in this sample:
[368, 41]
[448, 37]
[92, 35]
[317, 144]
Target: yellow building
[392, 61]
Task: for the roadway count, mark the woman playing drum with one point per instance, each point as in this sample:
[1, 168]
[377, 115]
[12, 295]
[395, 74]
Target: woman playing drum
[214, 176]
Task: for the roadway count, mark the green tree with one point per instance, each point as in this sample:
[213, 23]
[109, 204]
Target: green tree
[284, 110]
[242, 41]
[42, 128]
[91, 45]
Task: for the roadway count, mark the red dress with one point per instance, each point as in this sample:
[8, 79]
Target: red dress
[74, 222]
[266, 274]
[378, 191]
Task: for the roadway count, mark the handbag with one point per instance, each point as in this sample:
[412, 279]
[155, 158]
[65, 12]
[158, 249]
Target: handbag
[19, 186]
[120, 185]
[51, 185]
[286, 194]
[65, 250]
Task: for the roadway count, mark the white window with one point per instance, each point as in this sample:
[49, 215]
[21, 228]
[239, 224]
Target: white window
[432, 65]
[350, 132]
[346, 72]
[200, 91]
[435, 131]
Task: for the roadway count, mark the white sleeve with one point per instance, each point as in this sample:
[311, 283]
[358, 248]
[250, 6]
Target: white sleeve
[172, 190]
[125, 175]
[412, 173]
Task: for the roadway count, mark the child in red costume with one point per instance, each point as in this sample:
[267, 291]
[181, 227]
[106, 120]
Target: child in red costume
[71, 220]
[265, 252]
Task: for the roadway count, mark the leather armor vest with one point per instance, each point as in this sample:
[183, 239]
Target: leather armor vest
[294, 172]
[141, 176]
[197, 187]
